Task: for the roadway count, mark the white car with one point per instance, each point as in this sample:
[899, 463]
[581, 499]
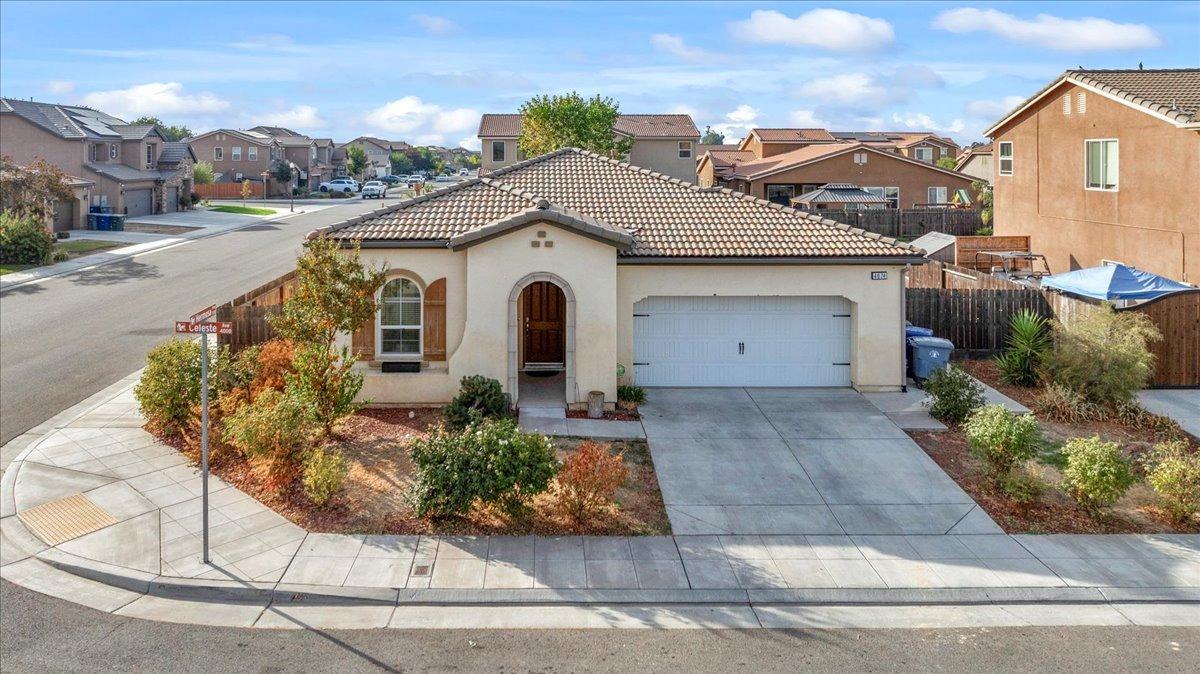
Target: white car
[346, 185]
[375, 189]
[414, 179]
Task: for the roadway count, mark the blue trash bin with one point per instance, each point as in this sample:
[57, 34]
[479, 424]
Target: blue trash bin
[91, 221]
[102, 220]
[929, 354]
[911, 330]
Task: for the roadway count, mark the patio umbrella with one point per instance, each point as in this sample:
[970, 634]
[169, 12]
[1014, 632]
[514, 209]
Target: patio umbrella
[1114, 282]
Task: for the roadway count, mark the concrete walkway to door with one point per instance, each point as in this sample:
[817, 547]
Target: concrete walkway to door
[796, 461]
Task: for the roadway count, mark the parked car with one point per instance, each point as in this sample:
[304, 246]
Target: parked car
[346, 185]
[391, 180]
[375, 189]
[464, 172]
[443, 179]
[412, 180]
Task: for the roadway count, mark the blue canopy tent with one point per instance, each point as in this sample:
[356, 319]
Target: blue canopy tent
[1114, 282]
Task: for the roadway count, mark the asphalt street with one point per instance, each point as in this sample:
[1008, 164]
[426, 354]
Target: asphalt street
[65, 338]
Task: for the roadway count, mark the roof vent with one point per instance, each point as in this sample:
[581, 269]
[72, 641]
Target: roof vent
[542, 205]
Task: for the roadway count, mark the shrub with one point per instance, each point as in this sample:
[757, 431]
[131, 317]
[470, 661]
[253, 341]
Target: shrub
[478, 398]
[338, 195]
[185, 201]
[24, 240]
[170, 384]
[1096, 474]
[1002, 439]
[631, 395]
[1174, 473]
[324, 473]
[60, 256]
[1021, 487]
[271, 431]
[1103, 355]
[323, 381]
[196, 198]
[492, 462]
[1060, 403]
[954, 394]
[272, 365]
[202, 173]
[589, 479]
[1028, 340]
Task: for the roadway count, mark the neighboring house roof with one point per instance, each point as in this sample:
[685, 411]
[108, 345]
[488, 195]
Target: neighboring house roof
[493, 125]
[839, 193]
[66, 121]
[665, 217]
[398, 145]
[933, 242]
[250, 136]
[970, 153]
[761, 168]
[722, 158]
[323, 142]
[893, 138]
[793, 135]
[126, 174]
[276, 131]
[294, 141]
[135, 131]
[1172, 95]
[175, 153]
[701, 148]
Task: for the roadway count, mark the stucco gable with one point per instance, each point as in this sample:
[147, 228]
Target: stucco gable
[543, 211]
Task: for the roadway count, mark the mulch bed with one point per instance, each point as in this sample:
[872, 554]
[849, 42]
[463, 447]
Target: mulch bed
[616, 415]
[1054, 512]
[375, 500]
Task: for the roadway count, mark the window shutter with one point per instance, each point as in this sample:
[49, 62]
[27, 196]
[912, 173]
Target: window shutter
[435, 320]
[1066, 104]
[362, 342]
[1081, 103]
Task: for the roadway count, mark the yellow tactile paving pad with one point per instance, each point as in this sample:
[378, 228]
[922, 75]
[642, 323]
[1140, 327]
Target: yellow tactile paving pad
[61, 520]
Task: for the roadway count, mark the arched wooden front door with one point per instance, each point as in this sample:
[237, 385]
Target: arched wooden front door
[544, 326]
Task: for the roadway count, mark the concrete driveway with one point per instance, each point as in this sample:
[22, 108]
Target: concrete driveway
[1182, 405]
[796, 461]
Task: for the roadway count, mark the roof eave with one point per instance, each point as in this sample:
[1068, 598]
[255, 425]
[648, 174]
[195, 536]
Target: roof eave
[896, 260]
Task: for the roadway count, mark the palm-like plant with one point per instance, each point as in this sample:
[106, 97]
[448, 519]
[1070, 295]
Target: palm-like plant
[1028, 340]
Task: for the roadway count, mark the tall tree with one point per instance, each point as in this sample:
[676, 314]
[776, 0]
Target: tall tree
[712, 137]
[947, 163]
[32, 190]
[356, 160]
[173, 133]
[401, 164]
[550, 123]
[202, 173]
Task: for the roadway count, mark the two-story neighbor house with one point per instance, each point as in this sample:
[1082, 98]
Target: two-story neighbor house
[977, 161]
[238, 155]
[311, 156]
[920, 145]
[1104, 165]
[663, 143]
[130, 168]
[379, 153]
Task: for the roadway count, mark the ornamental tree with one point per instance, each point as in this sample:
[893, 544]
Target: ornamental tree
[550, 123]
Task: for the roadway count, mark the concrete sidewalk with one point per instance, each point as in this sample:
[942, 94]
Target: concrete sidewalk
[95, 508]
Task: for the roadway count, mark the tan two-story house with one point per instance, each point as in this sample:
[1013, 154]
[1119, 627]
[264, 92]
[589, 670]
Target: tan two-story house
[1104, 165]
[663, 143]
[131, 169]
[379, 154]
[238, 155]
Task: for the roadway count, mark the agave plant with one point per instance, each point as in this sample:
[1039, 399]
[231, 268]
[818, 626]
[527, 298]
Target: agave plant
[1028, 340]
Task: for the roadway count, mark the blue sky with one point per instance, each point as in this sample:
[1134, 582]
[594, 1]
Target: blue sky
[423, 72]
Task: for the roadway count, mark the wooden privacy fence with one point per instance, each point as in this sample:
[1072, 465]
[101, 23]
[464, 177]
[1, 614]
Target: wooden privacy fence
[250, 313]
[228, 190]
[908, 222]
[974, 311]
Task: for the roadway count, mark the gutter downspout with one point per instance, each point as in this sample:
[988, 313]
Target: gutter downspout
[903, 333]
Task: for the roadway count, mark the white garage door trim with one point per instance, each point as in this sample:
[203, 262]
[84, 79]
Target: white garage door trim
[742, 341]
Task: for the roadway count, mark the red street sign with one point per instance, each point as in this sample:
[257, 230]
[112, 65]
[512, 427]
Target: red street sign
[217, 328]
[204, 314]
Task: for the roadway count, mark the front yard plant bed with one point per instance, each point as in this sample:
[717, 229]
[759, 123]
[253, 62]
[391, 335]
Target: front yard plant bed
[614, 415]
[375, 496]
[1054, 511]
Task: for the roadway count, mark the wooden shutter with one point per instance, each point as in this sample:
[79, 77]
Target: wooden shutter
[362, 342]
[435, 320]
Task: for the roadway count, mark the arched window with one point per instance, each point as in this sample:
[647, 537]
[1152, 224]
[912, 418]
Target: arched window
[400, 318]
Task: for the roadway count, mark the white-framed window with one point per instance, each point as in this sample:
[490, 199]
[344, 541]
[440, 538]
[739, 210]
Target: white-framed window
[685, 149]
[252, 153]
[936, 195]
[860, 158]
[892, 194]
[235, 153]
[400, 319]
[112, 151]
[150, 154]
[218, 153]
[1101, 162]
[94, 155]
[1066, 104]
[945, 152]
[312, 153]
[274, 153]
[1006, 157]
[924, 154]
[1080, 103]
[497, 150]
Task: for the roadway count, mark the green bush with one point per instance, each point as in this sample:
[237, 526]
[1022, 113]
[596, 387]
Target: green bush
[492, 462]
[60, 256]
[1096, 474]
[1060, 403]
[634, 395]
[1173, 471]
[1028, 340]
[320, 379]
[953, 394]
[1021, 487]
[478, 398]
[170, 384]
[1002, 439]
[1103, 355]
[324, 473]
[24, 240]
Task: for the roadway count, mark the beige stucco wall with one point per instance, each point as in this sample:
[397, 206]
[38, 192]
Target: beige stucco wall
[979, 166]
[876, 322]
[511, 154]
[663, 156]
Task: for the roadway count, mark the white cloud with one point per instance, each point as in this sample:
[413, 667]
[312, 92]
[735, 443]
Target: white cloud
[59, 87]
[807, 119]
[992, 108]
[737, 123]
[852, 90]
[435, 25]
[471, 143]
[830, 29]
[155, 98]
[426, 123]
[1053, 32]
[919, 121]
[299, 117]
[683, 109]
[742, 114]
[673, 44]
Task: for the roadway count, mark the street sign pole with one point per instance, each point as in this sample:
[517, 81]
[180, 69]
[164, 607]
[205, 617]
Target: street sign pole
[204, 438]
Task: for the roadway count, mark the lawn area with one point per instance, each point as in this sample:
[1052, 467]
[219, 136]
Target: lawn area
[375, 498]
[243, 210]
[10, 268]
[74, 249]
[1054, 511]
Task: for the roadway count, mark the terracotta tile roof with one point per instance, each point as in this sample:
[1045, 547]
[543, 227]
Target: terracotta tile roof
[752, 169]
[666, 217]
[722, 158]
[639, 126]
[793, 135]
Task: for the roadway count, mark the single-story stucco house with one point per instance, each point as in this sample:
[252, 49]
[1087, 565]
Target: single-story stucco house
[599, 273]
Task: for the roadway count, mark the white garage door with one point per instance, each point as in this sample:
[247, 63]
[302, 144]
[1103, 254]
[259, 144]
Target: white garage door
[742, 341]
[139, 202]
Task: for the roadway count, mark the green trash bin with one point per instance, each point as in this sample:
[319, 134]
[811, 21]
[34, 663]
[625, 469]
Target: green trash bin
[116, 222]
